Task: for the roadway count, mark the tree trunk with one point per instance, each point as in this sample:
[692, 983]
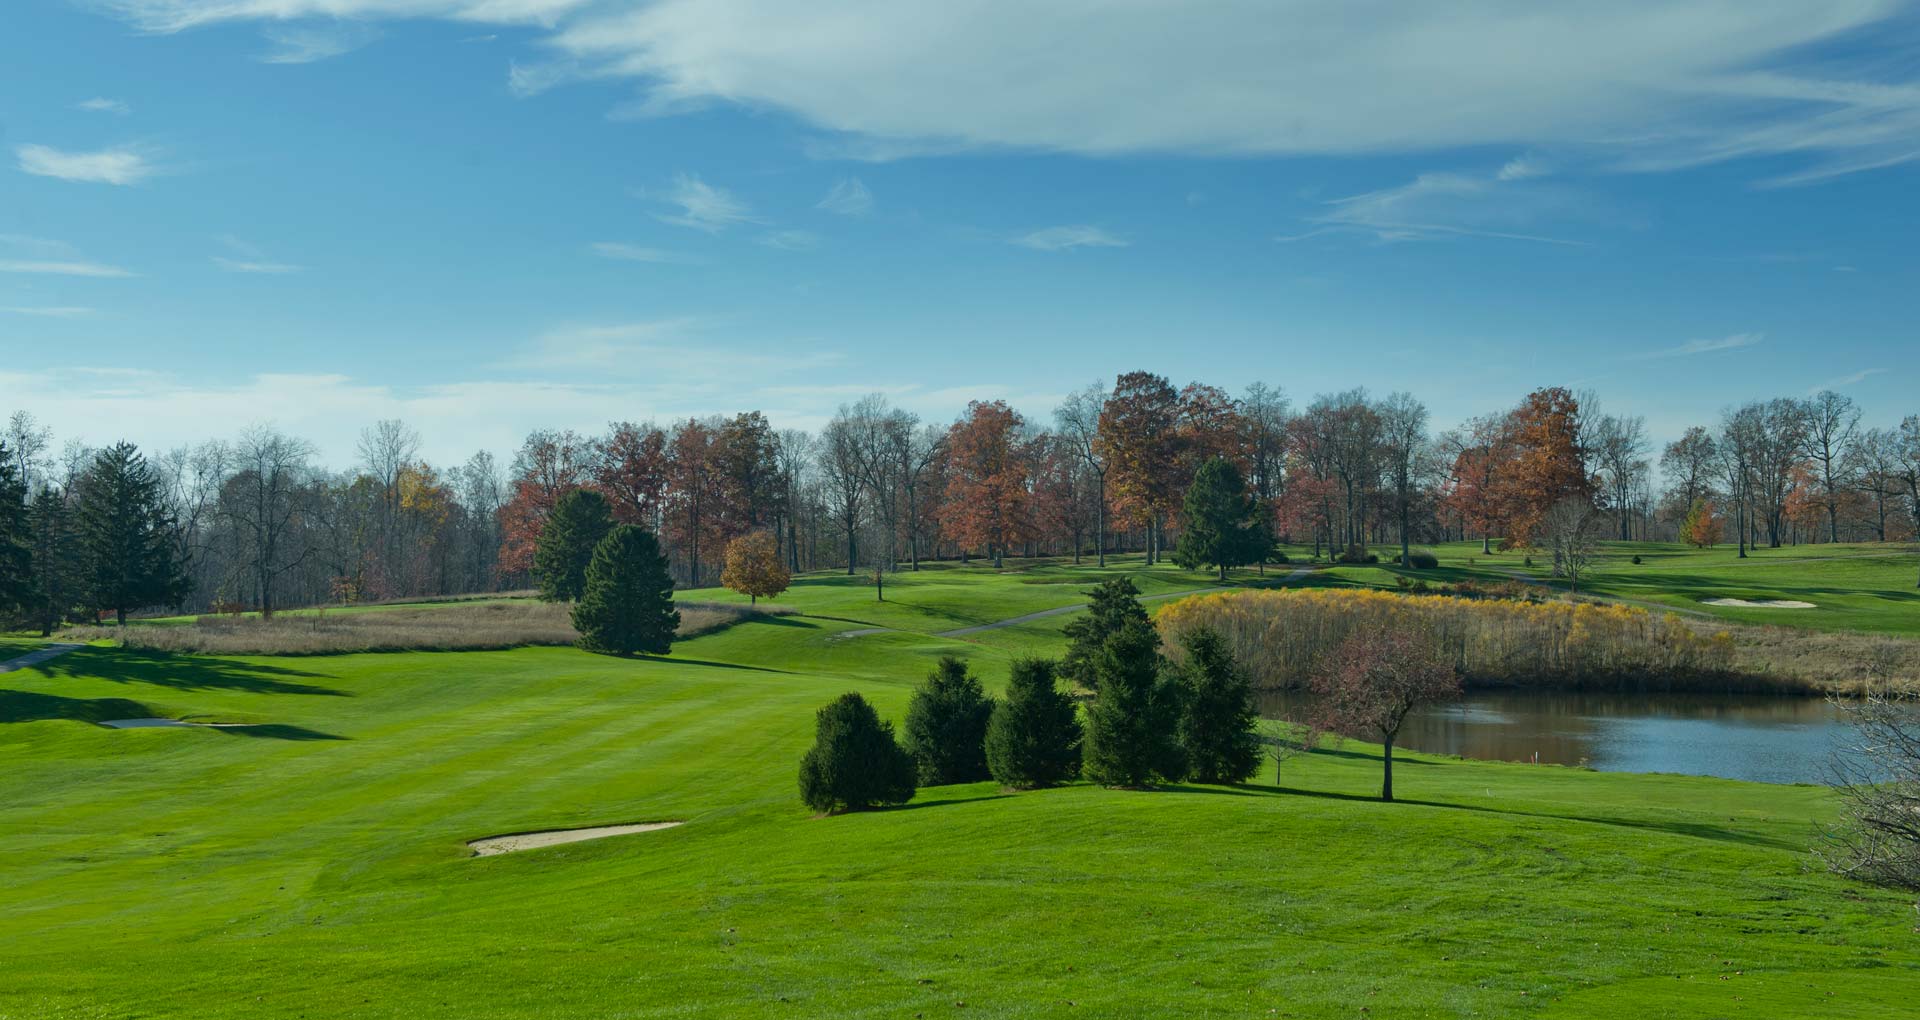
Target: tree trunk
[850, 551]
[120, 614]
[1386, 774]
[1100, 520]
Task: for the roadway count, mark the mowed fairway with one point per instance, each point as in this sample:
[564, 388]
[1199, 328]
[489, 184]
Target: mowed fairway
[316, 865]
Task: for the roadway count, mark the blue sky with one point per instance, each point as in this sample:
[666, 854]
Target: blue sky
[487, 215]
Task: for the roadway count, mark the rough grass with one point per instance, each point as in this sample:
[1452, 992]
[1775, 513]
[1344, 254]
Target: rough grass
[448, 626]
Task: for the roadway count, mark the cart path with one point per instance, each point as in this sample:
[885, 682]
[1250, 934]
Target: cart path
[36, 658]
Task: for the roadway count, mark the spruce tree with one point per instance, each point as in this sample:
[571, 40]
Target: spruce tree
[854, 762]
[946, 727]
[16, 561]
[126, 536]
[1217, 716]
[55, 552]
[579, 520]
[1220, 523]
[1111, 605]
[1133, 723]
[1033, 739]
[626, 606]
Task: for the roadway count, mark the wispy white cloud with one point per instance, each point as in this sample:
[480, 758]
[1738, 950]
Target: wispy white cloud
[307, 43]
[1731, 342]
[180, 15]
[1070, 237]
[49, 311]
[123, 165]
[789, 240]
[637, 253]
[1849, 379]
[703, 206]
[1520, 168]
[101, 104]
[1500, 206]
[255, 266]
[848, 197]
[61, 268]
[252, 259]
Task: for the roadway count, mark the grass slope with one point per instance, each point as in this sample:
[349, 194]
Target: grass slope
[316, 866]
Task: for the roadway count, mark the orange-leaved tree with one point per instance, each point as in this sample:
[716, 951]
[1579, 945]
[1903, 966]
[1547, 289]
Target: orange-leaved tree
[987, 468]
[1547, 465]
[754, 568]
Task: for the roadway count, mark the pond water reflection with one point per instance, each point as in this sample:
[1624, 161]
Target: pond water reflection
[1754, 737]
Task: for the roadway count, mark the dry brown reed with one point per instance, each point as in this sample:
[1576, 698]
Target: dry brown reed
[447, 627]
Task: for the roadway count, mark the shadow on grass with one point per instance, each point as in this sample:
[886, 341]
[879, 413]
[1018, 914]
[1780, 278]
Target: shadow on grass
[32, 706]
[183, 672]
[710, 662]
[1696, 830]
[914, 805]
[277, 731]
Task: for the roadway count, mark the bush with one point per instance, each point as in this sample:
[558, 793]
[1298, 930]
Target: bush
[627, 603]
[1278, 557]
[1636, 559]
[1133, 723]
[1033, 739]
[1217, 715]
[1355, 553]
[854, 763]
[946, 728]
[1423, 560]
[1526, 561]
[1373, 558]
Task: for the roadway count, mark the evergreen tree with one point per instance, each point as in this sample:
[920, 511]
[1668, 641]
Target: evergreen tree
[1033, 739]
[580, 519]
[627, 602]
[854, 762]
[16, 561]
[55, 552]
[946, 727]
[1220, 524]
[129, 556]
[1217, 717]
[1112, 605]
[1133, 724]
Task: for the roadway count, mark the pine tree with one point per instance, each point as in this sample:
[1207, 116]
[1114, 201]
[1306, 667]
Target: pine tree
[580, 519]
[1033, 739]
[627, 602]
[1220, 523]
[854, 762]
[1217, 715]
[1112, 605]
[55, 552]
[16, 561]
[1133, 724]
[946, 727]
[126, 536]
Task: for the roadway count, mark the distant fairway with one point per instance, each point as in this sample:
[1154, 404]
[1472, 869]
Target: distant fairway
[317, 865]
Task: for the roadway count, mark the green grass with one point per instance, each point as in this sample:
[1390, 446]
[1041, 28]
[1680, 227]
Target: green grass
[1859, 587]
[316, 867]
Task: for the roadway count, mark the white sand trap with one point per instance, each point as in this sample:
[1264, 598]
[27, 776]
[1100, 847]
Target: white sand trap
[555, 837]
[147, 724]
[1761, 604]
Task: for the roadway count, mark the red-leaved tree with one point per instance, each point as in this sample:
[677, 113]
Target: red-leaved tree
[1368, 685]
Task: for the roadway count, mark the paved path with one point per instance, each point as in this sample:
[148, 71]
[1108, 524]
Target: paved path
[36, 658]
[1058, 611]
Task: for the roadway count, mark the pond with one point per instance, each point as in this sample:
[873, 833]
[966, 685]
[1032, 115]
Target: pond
[1754, 737]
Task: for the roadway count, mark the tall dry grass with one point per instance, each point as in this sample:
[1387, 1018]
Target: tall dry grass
[1279, 636]
[451, 627]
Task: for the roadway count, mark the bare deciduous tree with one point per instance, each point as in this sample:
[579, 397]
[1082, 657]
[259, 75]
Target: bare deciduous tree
[1878, 776]
[1572, 531]
[1078, 420]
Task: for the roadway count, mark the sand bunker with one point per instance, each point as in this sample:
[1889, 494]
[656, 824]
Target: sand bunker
[1761, 603]
[554, 837]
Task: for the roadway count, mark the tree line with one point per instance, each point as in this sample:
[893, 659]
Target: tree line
[255, 522]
